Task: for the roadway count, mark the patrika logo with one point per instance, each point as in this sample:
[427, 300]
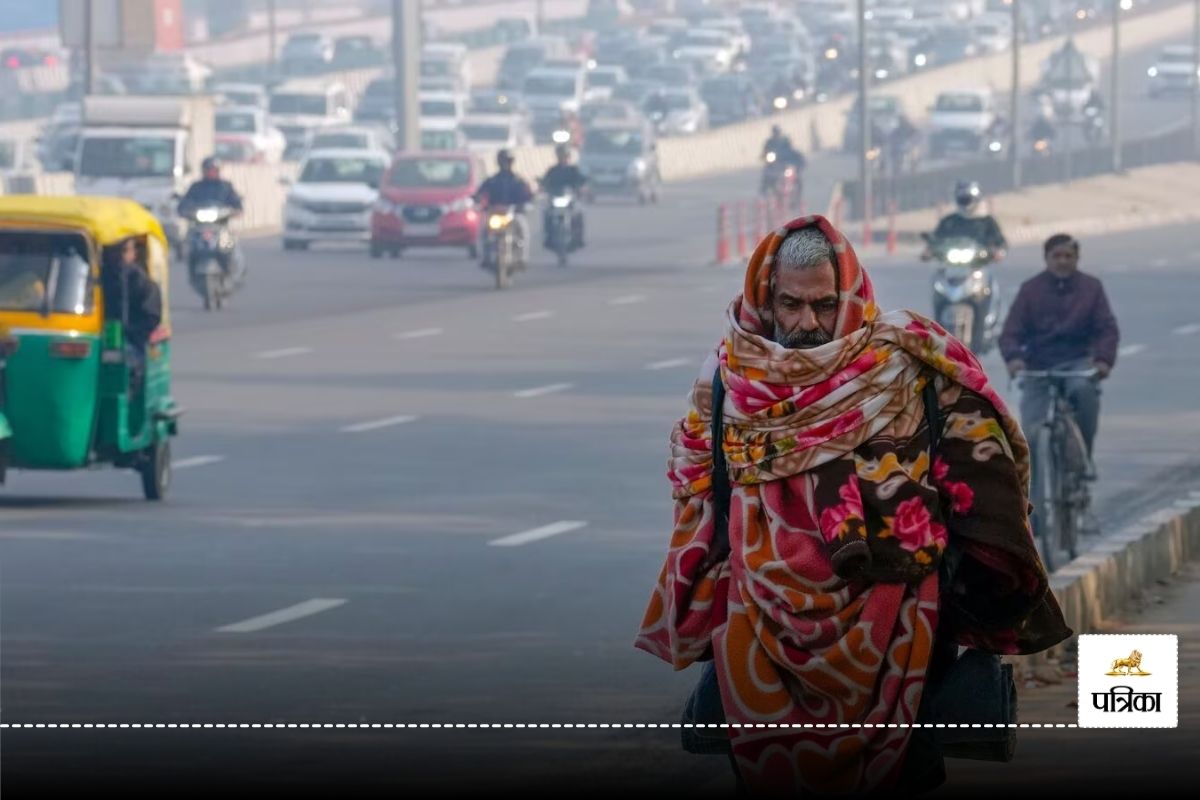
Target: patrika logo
[1134, 662]
[1138, 690]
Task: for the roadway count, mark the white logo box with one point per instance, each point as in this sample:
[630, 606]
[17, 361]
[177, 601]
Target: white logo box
[1145, 696]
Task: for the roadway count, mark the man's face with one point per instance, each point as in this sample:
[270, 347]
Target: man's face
[805, 306]
[1063, 259]
[212, 174]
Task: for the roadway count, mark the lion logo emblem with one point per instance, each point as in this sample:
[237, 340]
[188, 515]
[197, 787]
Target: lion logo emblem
[1127, 666]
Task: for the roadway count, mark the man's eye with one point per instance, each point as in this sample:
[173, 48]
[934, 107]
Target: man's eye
[826, 306]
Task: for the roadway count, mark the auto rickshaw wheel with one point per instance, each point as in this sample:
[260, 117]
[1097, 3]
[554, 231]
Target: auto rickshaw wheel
[156, 470]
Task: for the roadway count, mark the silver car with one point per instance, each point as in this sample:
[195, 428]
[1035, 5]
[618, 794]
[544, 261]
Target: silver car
[621, 159]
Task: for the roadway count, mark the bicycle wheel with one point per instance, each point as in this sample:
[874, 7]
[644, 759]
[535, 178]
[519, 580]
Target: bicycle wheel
[1046, 491]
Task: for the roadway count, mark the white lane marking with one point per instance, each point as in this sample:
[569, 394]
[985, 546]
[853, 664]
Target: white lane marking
[1131, 350]
[627, 300]
[196, 461]
[544, 532]
[532, 315]
[538, 391]
[289, 614]
[376, 424]
[669, 363]
[421, 333]
[284, 352]
[1187, 330]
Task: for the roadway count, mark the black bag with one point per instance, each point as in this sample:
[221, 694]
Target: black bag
[971, 688]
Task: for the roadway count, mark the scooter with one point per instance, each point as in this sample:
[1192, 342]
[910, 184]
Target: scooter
[213, 270]
[966, 295]
[779, 177]
[560, 231]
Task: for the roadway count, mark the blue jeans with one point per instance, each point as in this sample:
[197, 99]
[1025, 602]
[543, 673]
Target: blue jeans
[1082, 393]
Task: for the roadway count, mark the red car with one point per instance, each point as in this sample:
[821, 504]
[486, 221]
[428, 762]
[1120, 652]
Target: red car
[425, 201]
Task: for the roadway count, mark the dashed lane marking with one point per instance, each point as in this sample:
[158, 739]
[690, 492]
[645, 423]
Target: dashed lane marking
[420, 333]
[669, 363]
[1187, 330]
[376, 424]
[539, 391]
[532, 315]
[627, 300]
[537, 534]
[1131, 350]
[283, 352]
[283, 615]
[196, 461]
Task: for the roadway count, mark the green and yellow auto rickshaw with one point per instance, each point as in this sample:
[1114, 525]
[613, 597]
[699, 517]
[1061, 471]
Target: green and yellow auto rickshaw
[74, 393]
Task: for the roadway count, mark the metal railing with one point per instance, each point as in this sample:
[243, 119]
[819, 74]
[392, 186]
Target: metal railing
[930, 188]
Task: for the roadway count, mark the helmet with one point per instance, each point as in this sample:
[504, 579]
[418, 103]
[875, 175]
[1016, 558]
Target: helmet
[562, 151]
[504, 158]
[210, 164]
[776, 130]
[967, 194]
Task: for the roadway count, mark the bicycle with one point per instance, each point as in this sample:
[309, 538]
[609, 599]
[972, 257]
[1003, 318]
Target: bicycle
[1061, 469]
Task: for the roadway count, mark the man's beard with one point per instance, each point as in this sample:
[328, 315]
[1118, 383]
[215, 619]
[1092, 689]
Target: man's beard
[801, 339]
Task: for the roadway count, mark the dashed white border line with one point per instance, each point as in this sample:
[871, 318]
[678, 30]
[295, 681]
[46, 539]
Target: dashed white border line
[506, 725]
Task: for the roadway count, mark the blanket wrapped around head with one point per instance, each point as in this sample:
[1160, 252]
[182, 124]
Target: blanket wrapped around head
[825, 609]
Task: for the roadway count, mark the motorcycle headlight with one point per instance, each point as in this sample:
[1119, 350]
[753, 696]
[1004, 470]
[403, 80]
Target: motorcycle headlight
[772, 157]
[561, 137]
[831, 54]
[920, 59]
[207, 214]
[960, 255]
[637, 167]
[461, 204]
[562, 201]
[780, 103]
[880, 74]
[995, 146]
[497, 222]
[1152, 72]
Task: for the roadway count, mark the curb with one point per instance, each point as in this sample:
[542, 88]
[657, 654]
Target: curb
[1106, 580]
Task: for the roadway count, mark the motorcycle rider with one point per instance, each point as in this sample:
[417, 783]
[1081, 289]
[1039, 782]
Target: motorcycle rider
[966, 222]
[506, 188]
[213, 190]
[781, 145]
[564, 176]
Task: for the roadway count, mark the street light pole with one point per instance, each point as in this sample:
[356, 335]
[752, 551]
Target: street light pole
[1196, 79]
[1114, 123]
[406, 60]
[271, 60]
[1015, 135]
[89, 50]
[864, 119]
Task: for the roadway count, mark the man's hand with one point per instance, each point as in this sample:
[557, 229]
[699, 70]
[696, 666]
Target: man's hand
[1015, 367]
[1103, 370]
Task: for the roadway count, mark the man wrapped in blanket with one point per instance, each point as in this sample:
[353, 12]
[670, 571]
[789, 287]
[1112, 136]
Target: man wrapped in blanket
[825, 606]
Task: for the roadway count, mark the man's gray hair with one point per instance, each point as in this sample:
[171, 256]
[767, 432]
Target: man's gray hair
[806, 248]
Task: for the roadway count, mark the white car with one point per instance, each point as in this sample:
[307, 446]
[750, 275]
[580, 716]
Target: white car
[244, 133]
[442, 105]
[992, 32]
[686, 112]
[488, 133]
[242, 94]
[732, 26]
[350, 137]
[1174, 71]
[961, 121]
[331, 200]
[441, 134]
[709, 50]
[601, 81]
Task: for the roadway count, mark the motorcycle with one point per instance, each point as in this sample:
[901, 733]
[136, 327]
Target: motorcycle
[500, 247]
[779, 177]
[211, 249]
[966, 295]
[1093, 124]
[560, 232]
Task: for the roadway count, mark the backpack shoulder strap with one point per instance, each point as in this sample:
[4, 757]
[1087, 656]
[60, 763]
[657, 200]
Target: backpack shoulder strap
[720, 473]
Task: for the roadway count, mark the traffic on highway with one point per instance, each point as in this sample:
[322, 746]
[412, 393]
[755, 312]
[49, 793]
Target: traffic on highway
[594, 389]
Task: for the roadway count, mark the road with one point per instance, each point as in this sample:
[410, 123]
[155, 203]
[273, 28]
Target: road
[370, 432]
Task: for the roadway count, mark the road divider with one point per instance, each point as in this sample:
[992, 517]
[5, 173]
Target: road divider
[284, 615]
[374, 425]
[537, 534]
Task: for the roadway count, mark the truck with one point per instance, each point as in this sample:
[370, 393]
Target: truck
[145, 148]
